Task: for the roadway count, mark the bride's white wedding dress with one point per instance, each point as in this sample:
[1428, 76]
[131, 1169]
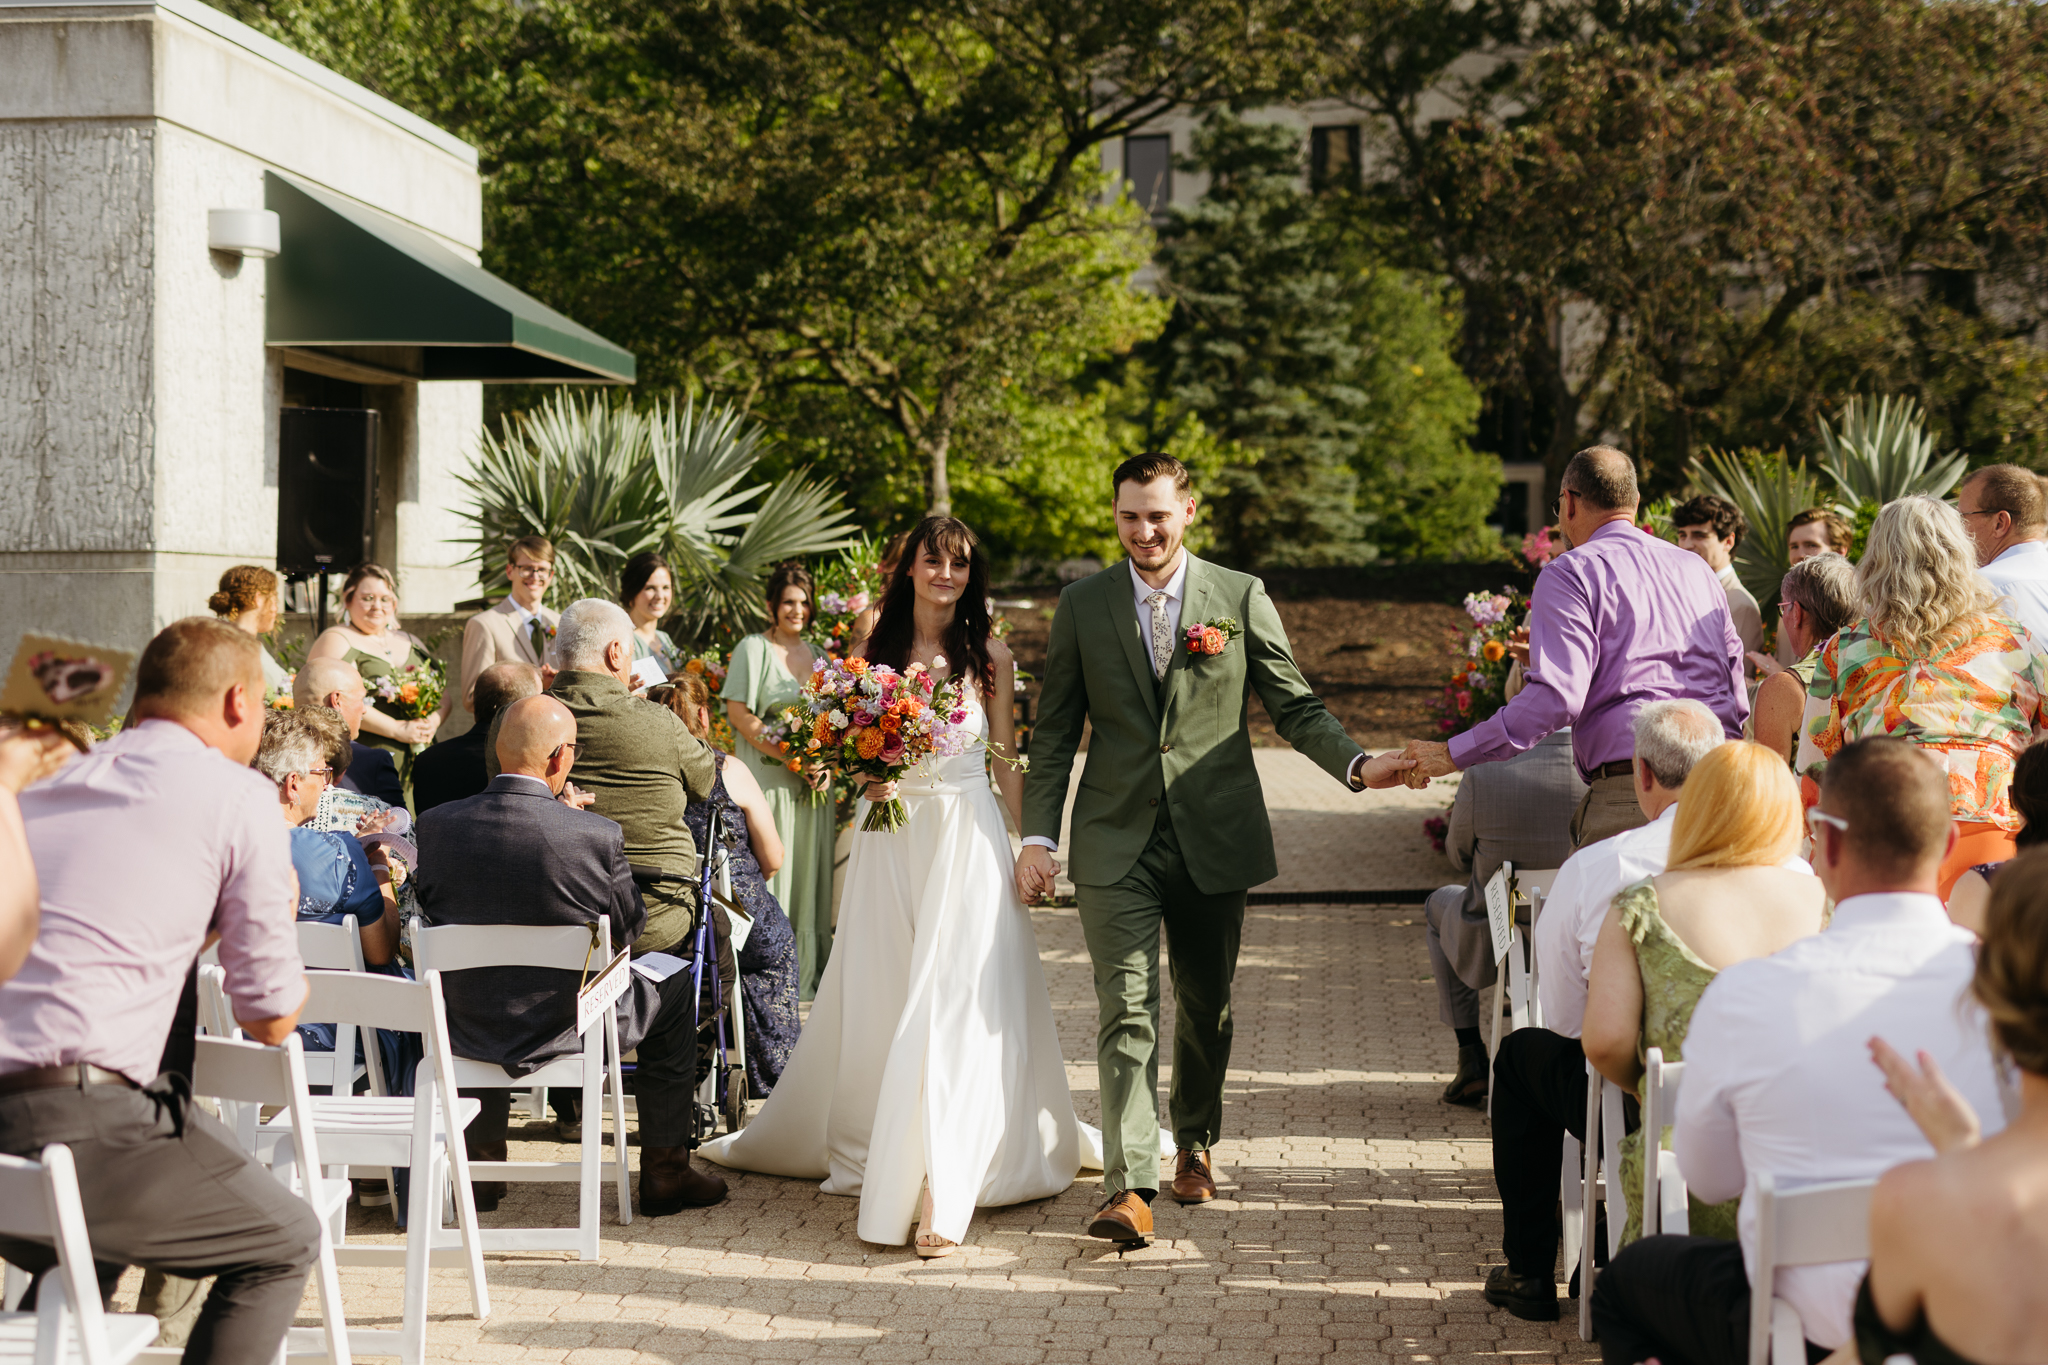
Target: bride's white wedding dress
[930, 1049]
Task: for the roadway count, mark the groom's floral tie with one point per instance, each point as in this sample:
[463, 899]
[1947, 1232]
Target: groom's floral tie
[1162, 638]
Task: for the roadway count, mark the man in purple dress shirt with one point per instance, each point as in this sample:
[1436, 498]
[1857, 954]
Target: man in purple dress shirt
[1619, 621]
[156, 842]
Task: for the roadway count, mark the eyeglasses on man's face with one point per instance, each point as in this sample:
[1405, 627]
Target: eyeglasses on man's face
[1557, 508]
[568, 746]
[530, 570]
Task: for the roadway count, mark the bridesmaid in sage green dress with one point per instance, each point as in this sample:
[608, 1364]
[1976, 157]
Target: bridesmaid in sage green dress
[370, 637]
[765, 674]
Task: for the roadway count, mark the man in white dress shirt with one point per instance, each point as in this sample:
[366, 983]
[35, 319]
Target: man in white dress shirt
[1539, 1075]
[1778, 1076]
[518, 628]
[2007, 518]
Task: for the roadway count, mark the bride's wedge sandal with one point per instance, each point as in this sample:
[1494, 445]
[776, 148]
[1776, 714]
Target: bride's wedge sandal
[927, 1243]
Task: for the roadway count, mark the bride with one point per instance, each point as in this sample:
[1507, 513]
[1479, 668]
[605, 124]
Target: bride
[928, 1079]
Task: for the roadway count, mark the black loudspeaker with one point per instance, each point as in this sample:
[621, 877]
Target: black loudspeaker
[326, 488]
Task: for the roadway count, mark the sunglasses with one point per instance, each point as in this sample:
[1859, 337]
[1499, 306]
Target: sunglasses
[1816, 818]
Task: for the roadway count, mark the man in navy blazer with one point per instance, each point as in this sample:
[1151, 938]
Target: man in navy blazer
[515, 854]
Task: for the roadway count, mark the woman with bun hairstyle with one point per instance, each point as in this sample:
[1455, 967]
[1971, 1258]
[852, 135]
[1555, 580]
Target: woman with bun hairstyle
[1959, 1244]
[247, 600]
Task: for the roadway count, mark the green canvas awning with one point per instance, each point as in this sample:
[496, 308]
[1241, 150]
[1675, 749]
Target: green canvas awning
[347, 276]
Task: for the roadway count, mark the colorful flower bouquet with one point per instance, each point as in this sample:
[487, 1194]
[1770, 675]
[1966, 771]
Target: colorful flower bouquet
[280, 698]
[1477, 686]
[877, 724]
[785, 734]
[412, 692]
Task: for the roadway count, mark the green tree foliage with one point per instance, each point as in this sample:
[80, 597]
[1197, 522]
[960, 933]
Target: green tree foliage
[1327, 375]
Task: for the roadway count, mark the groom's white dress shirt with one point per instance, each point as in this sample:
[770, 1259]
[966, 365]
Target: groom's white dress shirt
[1778, 1075]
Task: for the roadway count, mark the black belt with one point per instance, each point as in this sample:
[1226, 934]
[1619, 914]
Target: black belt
[1621, 767]
[76, 1076]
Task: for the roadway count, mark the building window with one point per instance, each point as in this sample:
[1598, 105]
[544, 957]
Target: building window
[1334, 155]
[1148, 167]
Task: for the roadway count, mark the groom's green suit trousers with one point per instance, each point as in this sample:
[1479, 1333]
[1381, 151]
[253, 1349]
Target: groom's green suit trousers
[1122, 924]
[1169, 829]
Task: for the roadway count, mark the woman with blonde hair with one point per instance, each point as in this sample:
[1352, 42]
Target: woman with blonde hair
[1732, 889]
[1931, 659]
[247, 600]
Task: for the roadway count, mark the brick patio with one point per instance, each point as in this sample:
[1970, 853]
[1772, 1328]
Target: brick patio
[1357, 1216]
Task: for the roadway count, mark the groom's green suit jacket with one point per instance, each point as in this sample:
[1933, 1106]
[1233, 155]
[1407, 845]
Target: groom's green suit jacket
[1181, 740]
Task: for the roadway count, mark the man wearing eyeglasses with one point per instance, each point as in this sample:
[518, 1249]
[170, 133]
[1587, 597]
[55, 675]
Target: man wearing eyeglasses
[1621, 620]
[518, 628]
[2007, 518]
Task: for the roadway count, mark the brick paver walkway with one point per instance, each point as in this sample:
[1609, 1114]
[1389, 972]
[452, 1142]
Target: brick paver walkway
[1357, 1218]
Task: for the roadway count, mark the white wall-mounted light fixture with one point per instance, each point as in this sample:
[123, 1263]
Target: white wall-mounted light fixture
[242, 232]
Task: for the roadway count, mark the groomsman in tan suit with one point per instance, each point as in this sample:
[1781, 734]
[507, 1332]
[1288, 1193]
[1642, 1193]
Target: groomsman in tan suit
[518, 629]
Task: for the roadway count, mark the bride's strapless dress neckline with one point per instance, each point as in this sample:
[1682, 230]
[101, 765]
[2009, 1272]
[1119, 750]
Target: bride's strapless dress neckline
[930, 1048]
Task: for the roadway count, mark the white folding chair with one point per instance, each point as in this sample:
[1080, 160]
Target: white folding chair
[1600, 1183]
[1813, 1225]
[249, 1076]
[336, 948]
[1664, 1203]
[422, 1131]
[39, 1201]
[470, 947]
[1514, 983]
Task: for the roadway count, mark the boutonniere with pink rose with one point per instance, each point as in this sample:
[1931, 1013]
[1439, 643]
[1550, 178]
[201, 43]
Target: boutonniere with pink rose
[1212, 637]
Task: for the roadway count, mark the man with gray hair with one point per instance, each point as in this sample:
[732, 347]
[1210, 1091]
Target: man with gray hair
[1539, 1075]
[642, 767]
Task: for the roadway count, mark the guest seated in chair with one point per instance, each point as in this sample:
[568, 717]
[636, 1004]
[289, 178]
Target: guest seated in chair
[335, 683]
[516, 854]
[455, 768]
[338, 876]
[1725, 896]
[1957, 1243]
[1777, 1079]
[1517, 811]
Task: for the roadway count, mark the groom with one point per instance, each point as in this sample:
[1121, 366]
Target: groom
[1169, 822]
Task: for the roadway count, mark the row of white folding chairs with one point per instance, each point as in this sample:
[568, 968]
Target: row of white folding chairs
[1514, 983]
[1595, 1177]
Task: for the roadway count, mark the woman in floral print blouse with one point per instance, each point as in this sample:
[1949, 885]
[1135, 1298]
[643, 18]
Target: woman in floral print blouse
[1932, 658]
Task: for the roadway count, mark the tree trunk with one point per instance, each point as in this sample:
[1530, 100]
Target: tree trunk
[941, 486]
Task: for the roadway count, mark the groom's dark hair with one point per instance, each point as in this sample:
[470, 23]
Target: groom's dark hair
[1143, 469]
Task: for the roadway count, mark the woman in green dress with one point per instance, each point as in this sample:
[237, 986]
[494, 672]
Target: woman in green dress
[1733, 889]
[370, 637]
[646, 590]
[765, 674]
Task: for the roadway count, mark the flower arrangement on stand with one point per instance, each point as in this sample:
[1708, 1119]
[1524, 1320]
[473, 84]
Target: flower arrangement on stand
[876, 724]
[1477, 685]
[847, 586]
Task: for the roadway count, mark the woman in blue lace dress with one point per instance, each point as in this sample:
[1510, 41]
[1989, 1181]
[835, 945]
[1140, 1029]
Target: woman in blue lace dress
[768, 960]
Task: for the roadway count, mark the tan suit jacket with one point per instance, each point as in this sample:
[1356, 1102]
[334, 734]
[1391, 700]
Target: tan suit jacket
[492, 637]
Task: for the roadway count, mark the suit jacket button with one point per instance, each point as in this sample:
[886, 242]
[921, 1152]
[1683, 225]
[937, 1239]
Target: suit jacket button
[1166, 748]
[1153, 802]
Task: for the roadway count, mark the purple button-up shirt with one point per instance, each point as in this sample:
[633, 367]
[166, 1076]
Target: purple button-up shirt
[143, 847]
[1615, 624]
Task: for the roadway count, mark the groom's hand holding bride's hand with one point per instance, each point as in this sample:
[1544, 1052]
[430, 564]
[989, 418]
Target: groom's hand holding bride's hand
[1035, 873]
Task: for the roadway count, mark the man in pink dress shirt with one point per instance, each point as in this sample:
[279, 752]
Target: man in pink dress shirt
[147, 848]
[1619, 621]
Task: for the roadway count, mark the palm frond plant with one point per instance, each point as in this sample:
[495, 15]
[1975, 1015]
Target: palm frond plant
[605, 482]
[1883, 453]
[1769, 489]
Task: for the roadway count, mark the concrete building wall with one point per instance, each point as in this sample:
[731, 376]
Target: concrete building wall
[138, 401]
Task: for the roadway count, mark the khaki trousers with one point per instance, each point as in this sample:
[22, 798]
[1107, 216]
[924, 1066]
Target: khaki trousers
[1607, 809]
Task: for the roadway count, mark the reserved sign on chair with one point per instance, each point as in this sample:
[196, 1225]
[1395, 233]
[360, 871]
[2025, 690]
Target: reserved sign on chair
[603, 990]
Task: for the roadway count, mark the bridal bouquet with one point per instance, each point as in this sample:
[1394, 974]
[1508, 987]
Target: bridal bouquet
[876, 724]
[412, 692]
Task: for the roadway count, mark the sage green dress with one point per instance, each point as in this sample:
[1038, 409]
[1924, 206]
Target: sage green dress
[663, 651]
[756, 679]
[1673, 979]
[373, 667]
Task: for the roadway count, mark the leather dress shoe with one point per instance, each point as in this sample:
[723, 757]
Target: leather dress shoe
[1530, 1297]
[1124, 1218]
[486, 1193]
[670, 1184]
[1474, 1075]
[1192, 1182]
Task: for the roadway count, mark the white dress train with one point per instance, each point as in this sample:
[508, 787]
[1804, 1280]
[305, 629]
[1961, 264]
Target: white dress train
[930, 1051]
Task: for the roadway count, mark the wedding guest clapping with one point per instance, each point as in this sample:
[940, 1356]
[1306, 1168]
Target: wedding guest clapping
[26, 755]
[1724, 896]
[646, 590]
[1621, 620]
[1957, 1244]
[1816, 598]
[767, 961]
[370, 638]
[766, 673]
[247, 600]
[1932, 660]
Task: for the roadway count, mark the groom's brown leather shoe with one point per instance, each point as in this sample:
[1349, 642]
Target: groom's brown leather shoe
[1192, 1183]
[1124, 1219]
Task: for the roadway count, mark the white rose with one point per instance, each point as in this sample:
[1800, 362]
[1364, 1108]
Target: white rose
[838, 719]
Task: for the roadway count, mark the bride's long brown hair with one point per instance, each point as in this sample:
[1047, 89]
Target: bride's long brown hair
[966, 639]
